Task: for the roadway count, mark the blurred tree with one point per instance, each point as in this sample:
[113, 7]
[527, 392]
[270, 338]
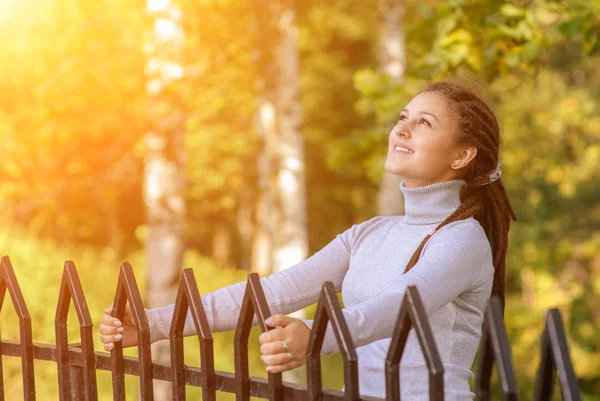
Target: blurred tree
[392, 62]
[532, 60]
[73, 111]
[74, 114]
[291, 238]
[164, 167]
[266, 117]
[217, 94]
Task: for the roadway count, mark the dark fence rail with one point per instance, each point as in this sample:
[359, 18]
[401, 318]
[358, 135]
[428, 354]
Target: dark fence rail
[77, 363]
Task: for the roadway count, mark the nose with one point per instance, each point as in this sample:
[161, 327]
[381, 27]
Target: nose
[401, 130]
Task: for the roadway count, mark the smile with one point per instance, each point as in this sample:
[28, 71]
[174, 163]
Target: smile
[402, 149]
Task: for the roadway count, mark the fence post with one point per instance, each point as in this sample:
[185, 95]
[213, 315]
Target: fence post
[254, 303]
[128, 292]
[495, 348]
[412, 314]
[77, 391]
[188, 298]
[329, 311]
[555, 357]
[8, 282]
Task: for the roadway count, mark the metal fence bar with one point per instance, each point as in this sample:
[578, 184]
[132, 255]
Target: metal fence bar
[8, 281]
[412, 315]
[128, 292]
[77, 388]
[77, 367]
[555, 357]
[188, 297]
[495, 348]
[330, 311]
[254, 303]
[262, 312]
[71, 289]
[224, 381]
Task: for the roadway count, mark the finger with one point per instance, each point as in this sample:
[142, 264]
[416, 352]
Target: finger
[109, 347]
[111, 339]
[277, 359]
[110, 321]
[272, 348]
[271, 335]
[108, 310]
[283, 368]
[279, 320]
[109, 329]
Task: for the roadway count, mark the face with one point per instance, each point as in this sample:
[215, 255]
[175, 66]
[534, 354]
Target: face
[422, 145]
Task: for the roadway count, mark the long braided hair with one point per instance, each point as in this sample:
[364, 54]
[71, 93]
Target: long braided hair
[488, 204]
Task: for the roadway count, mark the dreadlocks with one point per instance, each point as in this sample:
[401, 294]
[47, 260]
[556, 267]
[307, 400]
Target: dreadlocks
[488, 204]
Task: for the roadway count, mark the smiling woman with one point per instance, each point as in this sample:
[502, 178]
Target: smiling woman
[451, 244]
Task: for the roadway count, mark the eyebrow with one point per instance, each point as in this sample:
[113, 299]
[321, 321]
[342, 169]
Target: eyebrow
[423, 112]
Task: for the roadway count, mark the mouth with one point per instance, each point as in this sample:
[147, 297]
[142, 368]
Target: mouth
[403, 149]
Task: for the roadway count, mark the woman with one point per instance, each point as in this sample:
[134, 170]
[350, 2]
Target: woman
[451, 244]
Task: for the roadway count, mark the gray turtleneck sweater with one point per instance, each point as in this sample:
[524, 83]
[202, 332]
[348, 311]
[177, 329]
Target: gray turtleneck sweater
[366, 263]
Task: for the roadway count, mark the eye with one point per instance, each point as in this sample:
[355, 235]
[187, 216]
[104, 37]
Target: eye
[402, 117]
[424, 122]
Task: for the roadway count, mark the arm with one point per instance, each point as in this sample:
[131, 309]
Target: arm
[452, 262]
[286, 291]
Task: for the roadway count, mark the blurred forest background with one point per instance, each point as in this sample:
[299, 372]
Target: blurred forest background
[236, 136]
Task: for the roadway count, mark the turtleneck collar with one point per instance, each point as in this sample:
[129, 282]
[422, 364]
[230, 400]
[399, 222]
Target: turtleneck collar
[431, 204]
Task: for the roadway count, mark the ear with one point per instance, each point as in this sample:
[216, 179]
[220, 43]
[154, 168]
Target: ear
[464, 157]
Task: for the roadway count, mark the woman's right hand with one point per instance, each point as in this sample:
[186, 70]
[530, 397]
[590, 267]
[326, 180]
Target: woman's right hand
[112, 330]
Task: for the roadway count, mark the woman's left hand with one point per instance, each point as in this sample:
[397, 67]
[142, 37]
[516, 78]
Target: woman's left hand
[284, 348]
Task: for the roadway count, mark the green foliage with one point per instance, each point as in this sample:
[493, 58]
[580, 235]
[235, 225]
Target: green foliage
[536, 65]
[218, 97]
[554, 246]
[335, 40]
[74, 110]
[39, 265]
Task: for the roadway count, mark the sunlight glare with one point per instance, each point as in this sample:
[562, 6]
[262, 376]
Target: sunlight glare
[153, 5]
[7, 5]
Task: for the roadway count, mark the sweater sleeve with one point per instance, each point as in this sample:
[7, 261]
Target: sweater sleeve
[453, 261]
[286, 291]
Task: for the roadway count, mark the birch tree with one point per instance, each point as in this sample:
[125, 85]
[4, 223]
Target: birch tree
[282, 239]
[164, 182]
[392, 61]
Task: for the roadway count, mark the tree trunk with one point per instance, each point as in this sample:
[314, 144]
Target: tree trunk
[164, 198]
[164, 177]
[392, 61]
[281, 238]
[291, 239]
[262, 247]
[244, 228]
[221, 245]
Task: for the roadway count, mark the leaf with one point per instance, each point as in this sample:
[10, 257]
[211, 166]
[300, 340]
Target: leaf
[459, 36]
[510, 10]
[571, 27]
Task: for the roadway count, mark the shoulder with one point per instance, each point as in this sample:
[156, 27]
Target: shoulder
[464, 246]
[468, 230]
[372, 226]
[463, 236]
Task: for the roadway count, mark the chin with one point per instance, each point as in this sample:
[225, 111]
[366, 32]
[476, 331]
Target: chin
[390, 168]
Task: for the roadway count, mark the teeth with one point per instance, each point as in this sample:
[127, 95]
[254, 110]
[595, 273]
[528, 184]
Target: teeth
[401, 149]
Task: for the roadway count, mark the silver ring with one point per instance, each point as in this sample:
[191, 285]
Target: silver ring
[285, 347]
[289, 356]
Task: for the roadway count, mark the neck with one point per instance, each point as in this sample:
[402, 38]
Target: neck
[431, 204]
